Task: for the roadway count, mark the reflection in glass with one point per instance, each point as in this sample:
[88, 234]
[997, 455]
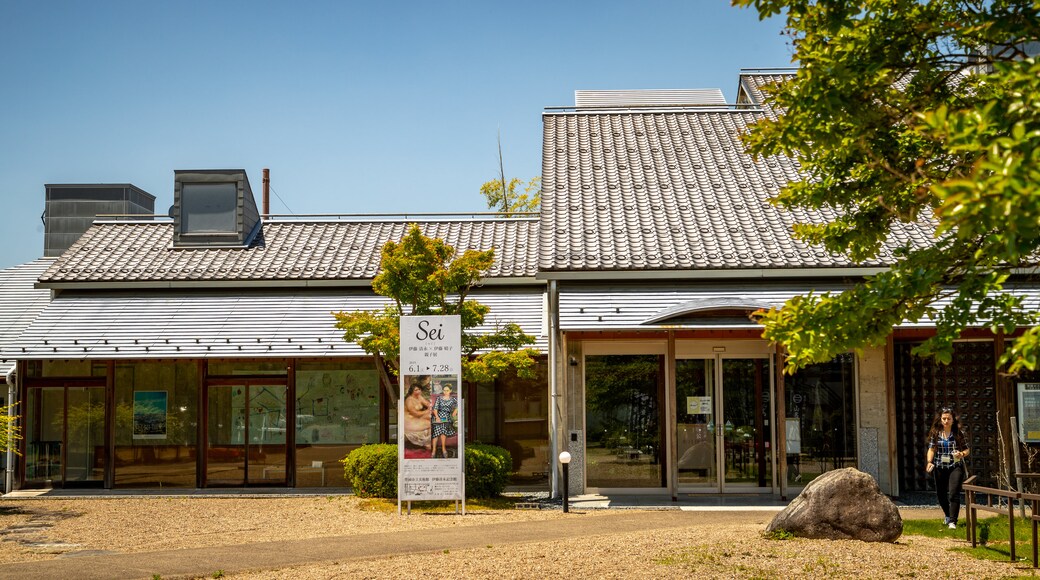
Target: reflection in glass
[43, 434]
[156, 424]
[820, 422]
[745, 414]
[85, 452]
[622, 421]
[75, 439]
[524, 426]
[337, 410]
[246, 435]
[695, 418]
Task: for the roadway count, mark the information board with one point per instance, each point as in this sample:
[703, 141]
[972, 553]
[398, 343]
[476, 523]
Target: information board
[430, 420]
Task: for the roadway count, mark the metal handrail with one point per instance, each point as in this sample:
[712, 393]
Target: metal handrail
[1034, 519]
[972, 507]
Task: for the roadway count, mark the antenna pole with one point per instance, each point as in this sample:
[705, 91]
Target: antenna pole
[267, 192]
[502, 174]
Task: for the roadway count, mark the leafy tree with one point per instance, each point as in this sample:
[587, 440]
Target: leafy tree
[908, 114]
[425, 277]
[511, 200]
[10, 431]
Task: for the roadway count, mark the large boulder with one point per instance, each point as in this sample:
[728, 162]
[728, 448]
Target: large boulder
[840, 505]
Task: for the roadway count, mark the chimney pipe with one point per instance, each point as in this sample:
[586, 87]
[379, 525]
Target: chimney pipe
[267, 192]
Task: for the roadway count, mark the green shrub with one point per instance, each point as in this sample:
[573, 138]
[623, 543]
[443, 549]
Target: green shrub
[371, 470]
[487, 470]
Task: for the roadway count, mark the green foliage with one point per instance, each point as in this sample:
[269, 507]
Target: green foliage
[511, 201]
[371, 470]
[425, 277]
[779, 534]
[487, 470]
[10, 431]
[922, 116]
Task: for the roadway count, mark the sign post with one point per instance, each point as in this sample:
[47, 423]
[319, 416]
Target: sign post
[430, 419]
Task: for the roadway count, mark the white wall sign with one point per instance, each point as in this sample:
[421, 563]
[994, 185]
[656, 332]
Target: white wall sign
[430, 437]
[1029, 411]
[698, 405]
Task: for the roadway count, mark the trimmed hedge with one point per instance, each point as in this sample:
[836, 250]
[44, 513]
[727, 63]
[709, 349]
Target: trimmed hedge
[487, 470]
[371, 470]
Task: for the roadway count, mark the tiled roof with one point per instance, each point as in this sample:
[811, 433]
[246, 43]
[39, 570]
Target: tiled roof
[671, 190]
[21, 303]
[295, 322]
[286, 251]
[752, 83]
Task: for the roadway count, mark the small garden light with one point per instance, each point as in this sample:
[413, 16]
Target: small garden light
[565, 459]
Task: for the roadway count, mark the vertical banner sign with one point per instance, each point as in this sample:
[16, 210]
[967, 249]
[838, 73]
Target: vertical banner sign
[430, 442]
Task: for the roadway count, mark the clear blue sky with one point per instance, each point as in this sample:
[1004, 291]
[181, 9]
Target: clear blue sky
[356, 107]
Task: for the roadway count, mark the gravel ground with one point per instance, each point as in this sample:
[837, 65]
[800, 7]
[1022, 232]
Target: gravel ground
[716, 545]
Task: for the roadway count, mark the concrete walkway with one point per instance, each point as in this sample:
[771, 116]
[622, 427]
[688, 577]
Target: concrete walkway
[273, 555]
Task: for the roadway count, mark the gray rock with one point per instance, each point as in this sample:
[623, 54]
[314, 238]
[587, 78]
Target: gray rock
[844, 504]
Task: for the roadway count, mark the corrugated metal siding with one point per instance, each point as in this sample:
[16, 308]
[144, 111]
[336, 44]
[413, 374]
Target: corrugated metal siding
[616, 309]
[272, 324]
[20, 302]
[651, 97]
[635, 309]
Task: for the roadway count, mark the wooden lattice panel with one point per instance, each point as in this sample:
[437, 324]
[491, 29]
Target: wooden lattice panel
[967, 384]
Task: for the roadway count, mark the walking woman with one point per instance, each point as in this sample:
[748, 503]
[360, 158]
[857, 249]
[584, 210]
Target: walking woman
[947, 448]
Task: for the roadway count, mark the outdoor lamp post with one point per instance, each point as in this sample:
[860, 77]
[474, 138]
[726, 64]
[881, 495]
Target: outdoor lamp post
[565, 459]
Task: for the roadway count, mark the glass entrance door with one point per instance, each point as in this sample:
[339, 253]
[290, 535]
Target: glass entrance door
[695, 429]
[723, 432]
[246, 435]
[65, 437]
[746, 430]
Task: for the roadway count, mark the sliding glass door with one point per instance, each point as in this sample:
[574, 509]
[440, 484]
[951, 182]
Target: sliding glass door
[246, 435]
[723, 432]
[65, 436]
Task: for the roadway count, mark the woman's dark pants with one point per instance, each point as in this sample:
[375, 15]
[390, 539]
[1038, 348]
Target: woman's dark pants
[948, 484]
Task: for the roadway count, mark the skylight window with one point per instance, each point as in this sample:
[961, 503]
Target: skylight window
[213, 208]
[209, 208]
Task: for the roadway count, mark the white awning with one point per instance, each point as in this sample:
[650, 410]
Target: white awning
[220, 325]
[698, 307]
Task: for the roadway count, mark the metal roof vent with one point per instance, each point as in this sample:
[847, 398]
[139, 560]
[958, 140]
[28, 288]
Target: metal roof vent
[213, 208]
[649, 98]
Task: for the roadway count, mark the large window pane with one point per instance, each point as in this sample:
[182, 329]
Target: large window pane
[821, 426]
[622, 440]
[156, 424]
[337, 410]
[66, 368]
[524, 427]
[236, 368]
[43, 435]
[85, 453]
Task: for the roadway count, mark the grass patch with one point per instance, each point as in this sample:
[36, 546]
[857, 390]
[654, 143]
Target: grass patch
[779, 534]
[693, 557]
[993, 536]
